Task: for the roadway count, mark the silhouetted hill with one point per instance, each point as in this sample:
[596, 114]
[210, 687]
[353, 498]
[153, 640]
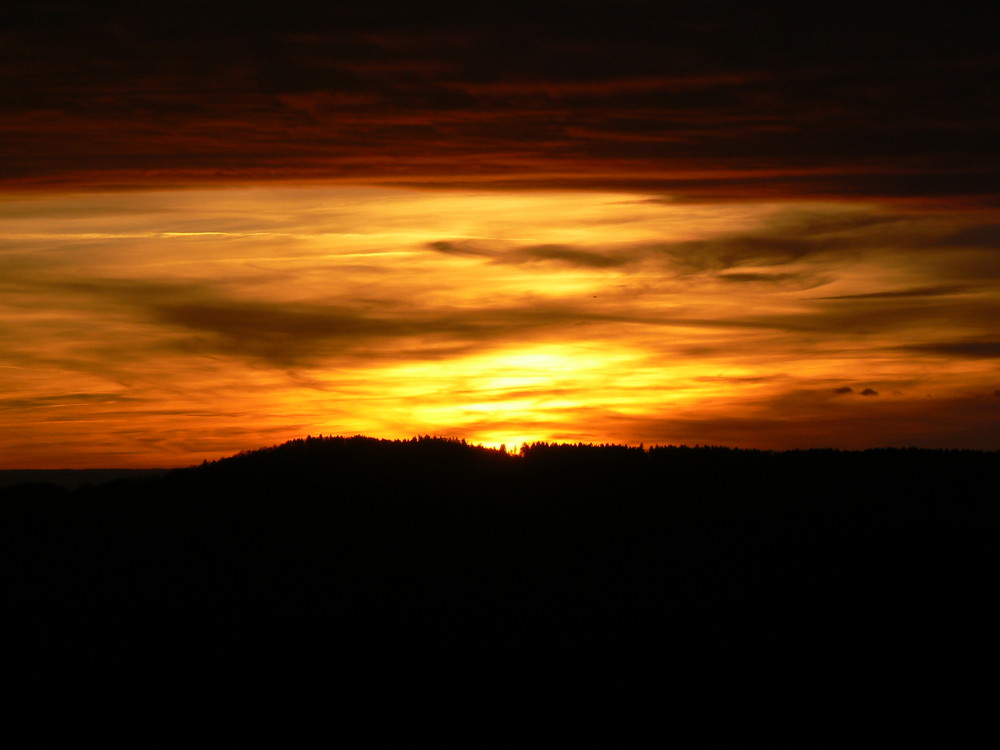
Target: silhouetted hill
[334, 548]
[70, 478]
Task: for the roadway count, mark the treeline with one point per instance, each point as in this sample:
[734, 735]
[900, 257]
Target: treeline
[332, 547]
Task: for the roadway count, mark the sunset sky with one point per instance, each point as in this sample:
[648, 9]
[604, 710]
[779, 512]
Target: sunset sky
[223, 226]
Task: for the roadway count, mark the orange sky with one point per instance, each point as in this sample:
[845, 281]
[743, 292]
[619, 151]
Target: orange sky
[222, 232]
[153, 327]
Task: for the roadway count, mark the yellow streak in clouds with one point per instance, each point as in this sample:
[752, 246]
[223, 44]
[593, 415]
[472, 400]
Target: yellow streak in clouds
[162, 328]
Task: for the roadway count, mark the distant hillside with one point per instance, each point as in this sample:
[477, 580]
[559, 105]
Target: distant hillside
[71, 478]
[328, 548]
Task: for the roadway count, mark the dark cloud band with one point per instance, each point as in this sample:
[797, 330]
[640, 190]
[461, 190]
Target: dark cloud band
[685, 99]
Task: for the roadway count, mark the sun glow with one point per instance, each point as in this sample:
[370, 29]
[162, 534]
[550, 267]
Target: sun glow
[177, 325]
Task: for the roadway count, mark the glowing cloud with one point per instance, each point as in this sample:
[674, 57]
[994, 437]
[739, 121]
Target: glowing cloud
[175, 326]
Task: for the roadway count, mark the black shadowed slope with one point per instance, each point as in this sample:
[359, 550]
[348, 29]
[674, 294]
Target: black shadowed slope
[333, 548]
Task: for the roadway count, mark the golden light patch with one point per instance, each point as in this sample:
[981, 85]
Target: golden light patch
[154, 328]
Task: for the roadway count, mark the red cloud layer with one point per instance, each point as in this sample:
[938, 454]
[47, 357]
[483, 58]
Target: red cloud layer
[704, 104]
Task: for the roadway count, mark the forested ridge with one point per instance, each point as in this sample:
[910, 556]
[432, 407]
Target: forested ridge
[343, 546]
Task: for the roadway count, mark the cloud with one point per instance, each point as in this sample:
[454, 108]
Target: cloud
[678, 298]
[925, 291]
[292, 333]
[572, 256]
[505, 253]
[462, 247]
[682, 100]
[724, 252]
[736, 379]
[790, 236]
[759, 278]
[843, 390]
[64, 399]
[983, 235]
[784, 238]
[960, 349]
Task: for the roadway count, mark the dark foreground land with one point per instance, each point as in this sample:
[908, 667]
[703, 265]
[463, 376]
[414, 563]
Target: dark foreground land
[339, 548]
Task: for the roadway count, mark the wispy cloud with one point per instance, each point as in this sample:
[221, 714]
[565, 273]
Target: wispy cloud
[201, 321]
[989, 349]
[564, 254]
[924, 291]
